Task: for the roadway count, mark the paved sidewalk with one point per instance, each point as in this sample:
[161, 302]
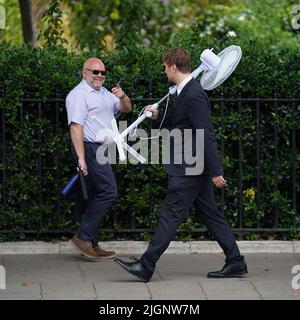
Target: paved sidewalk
[177, 277]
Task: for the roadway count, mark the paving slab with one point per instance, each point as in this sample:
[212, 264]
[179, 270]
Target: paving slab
[229, 289]
[37, 268]
[297, 257]
[274, 246]
[122, 290]
[29, 247]
[296, 246]
[270, 266]
[276, 290]
[168, 290]
[21, 291]
[68, 291]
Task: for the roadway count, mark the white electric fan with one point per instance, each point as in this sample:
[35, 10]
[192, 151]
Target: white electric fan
[216, 69]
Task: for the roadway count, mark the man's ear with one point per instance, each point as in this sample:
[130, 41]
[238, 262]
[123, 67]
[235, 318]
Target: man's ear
[173, 67]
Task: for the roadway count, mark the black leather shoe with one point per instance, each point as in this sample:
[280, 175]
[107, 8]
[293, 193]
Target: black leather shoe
[136, 268]
[230, 270]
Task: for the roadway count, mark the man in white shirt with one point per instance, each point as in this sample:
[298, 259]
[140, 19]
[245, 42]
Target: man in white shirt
[88, 99]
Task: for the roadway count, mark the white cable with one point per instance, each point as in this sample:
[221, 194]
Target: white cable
[132, 133]
[161, 123]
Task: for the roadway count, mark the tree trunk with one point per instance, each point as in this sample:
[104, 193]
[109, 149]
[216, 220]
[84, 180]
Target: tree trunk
[28, 27]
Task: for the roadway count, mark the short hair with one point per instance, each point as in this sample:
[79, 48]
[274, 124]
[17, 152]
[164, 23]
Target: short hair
[180, 57]
[88, 61]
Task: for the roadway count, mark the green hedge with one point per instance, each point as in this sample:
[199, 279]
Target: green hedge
[52, 72]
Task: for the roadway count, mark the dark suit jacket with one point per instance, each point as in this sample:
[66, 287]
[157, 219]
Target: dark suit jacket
[191, 110]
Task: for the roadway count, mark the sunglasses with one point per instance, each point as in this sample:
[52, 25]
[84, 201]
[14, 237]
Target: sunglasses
[96, 72]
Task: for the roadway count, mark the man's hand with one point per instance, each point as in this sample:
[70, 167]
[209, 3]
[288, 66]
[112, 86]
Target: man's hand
[82, 166]
[153, 110]
[125, 102]
[76, 131]
[219, 181]
[118, 92]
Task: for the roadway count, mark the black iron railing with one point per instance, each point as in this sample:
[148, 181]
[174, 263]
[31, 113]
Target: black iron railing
[56, 108]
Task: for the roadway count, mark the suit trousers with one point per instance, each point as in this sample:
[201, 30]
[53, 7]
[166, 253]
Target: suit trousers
[182, 192]
[102, 192]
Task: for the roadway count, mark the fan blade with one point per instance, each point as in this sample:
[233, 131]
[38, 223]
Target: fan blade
[118, 140]
[135, 154]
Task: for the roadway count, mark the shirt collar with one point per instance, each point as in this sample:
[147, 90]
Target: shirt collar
[183, 83]
[89, 88]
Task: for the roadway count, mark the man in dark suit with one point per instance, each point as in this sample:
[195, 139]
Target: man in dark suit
[191, 111]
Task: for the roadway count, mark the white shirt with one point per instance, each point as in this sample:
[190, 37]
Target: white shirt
[84, 102]
[183, 83]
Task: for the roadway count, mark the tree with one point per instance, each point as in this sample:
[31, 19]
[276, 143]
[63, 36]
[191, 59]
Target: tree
[52, 31]
[109, 23]
[28, 26]
[2, 17]
[266, 23]
[103, 24]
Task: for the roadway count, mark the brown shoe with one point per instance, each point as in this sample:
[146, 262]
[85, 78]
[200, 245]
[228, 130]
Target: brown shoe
[104, 254]
[84, 247]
